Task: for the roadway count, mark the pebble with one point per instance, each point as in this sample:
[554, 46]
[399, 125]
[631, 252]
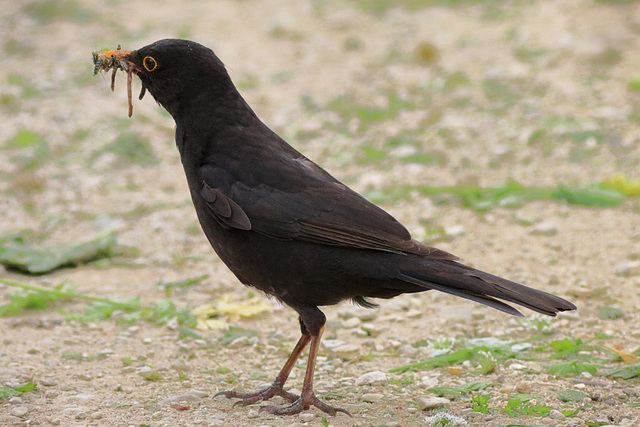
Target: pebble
[48, 382]
[517, 366]
[347, 348]
[408, 350]
[192, 396]
[105, 352]
[80, 398]
[364, 314]
[554, 414]
[429, 381]
[253, 413]
[413, 314]
[372, 378]
[454, 230]
[432, 402]
[523, 387]
[306, 416]
[239, 342]
[372, 397]
[627, 269]
[19, 411]
[15, 400]
[544, 229]
[215, 421]
[351, 323]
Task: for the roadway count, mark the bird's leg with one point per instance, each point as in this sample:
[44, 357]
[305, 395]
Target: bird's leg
[276, 388]
[308, 397]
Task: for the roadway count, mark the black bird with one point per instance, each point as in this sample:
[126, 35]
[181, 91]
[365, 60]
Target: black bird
[283, 224]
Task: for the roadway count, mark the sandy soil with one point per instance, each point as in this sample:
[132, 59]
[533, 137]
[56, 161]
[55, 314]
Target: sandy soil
[562, 67]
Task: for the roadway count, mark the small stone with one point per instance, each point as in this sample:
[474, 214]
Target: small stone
[554, 414]
[523, 387]
[306, 417]
[517, 366]
[429, 381]
[173, 324]
[19, 411]
[82, 415]
[364, 314]
[544, 229]
[347, 348]
[33, 351]
[199, 393]
[408, 350]
[413, 314]
[105, 352]
[253, 414]
[80, 398]
[239, 342]
[432, 402]
[54, 421]
[51, 394]
[628, 269]
[372, 378]
[48, 382]
[454, 230]
[351, 323]
[214, 421]
[372, 397]
[15, 400]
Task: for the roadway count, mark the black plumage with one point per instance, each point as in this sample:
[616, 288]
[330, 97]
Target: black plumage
[284, 225]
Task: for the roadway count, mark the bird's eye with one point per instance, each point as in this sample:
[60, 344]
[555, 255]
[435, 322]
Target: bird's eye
[149, 63]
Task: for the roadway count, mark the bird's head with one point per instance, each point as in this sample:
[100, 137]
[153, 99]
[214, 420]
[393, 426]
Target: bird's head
[176, 72]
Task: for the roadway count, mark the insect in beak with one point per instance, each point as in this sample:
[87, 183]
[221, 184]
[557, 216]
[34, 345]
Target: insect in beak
[117, 60]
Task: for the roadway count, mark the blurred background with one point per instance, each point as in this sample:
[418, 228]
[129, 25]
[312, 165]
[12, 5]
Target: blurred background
[506, 132]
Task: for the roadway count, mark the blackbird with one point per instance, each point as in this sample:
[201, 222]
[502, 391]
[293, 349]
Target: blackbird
[284, 225]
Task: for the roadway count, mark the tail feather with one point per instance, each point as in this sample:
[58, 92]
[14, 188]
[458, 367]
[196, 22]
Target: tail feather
[457, 279]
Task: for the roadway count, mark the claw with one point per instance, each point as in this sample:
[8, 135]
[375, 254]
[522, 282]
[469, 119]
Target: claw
[302, 404]
[246, 399]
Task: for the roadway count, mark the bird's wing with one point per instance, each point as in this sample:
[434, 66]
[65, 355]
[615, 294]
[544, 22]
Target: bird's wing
[298, 200]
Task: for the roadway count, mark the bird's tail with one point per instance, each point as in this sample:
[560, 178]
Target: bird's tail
[466, 282]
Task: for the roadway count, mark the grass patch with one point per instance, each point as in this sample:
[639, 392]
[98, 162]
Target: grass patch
[180, 285]
[131, 148]
[8, 392]
[510, 195]
[380, 7]
[30, 150]
[129, 311]
[38, 297]
[462, 390]
[19, 254]
[54, 10]
[235, 332]
[482, 353]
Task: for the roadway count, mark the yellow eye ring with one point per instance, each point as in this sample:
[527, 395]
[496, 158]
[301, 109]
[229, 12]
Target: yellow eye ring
[149, 63]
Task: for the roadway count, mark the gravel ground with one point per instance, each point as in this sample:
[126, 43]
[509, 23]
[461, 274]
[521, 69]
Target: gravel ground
[540, 92]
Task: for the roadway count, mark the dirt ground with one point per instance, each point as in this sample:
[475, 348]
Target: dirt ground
[540, 92]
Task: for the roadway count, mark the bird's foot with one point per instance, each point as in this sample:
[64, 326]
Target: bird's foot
[302, 403]
[265, 394]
